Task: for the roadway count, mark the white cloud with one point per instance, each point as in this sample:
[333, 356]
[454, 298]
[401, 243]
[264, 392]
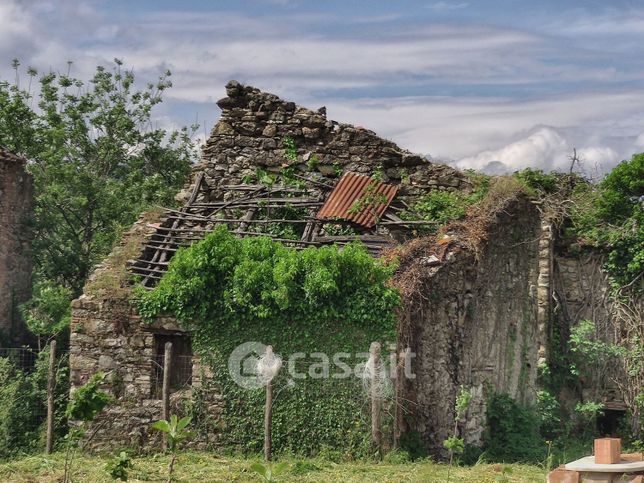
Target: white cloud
[598, 155]
[545, 148]
[463, 128]
[298, 56]
[309, 61]
[14, 28]
[639, 141]
[619, 22]
[447, 6]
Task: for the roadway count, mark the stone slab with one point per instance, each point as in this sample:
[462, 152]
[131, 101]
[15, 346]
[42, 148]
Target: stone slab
[588, 464]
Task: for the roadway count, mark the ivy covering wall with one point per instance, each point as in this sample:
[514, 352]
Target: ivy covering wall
[227, 291]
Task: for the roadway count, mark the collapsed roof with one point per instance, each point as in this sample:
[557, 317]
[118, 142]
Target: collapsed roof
[276, 169]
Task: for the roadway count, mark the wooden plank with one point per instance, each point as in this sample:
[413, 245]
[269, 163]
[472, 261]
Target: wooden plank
[183, 214]
[147, 271]
[159, 244]
[363, 238]
[161, 255]
[134, 262]
[253, 233]
[248, 217]
[313, 181]
[161, 248]
[167, 238]
[250, 196]
[236, 220]
[253, 187]
[405, 222]
[258, 199]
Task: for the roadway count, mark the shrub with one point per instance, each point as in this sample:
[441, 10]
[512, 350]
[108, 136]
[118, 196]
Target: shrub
[117, 467]
[48, 313]
[23, 396]
[227, 291]
[537, 180]
[549, 413]
[442, 206]
[397, 457]
[512, 432]
[445, 206]
[621, 190]
[610, 216]
[88, 400]
[18, 406]
[412, 443]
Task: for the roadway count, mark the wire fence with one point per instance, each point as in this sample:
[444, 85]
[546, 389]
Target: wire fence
[34, 389]
[175, 376]
[181, 368]
[23, 358]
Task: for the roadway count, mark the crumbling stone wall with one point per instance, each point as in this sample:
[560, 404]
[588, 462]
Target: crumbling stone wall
[253, 125]
[16, 205]
[473, 322]
[582, 291]
[107, 334]
[582, 288]
[481, 319]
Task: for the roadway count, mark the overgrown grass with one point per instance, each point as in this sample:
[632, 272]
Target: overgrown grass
[211, 468]
[112, 279]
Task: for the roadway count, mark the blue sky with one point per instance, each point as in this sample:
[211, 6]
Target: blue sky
[483, 84]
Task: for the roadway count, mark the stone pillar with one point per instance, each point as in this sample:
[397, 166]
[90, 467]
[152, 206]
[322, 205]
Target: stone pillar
[16, 205]
[544, 285]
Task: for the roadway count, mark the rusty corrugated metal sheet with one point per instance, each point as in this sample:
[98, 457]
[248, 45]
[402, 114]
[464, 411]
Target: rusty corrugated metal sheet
[348, 191]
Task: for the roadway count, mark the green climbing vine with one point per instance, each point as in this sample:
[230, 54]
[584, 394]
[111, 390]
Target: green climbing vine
[227, 290]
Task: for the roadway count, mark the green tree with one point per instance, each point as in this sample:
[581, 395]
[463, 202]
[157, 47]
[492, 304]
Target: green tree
[48, 313]
[610, 216]
[96, 158]
[622, 189]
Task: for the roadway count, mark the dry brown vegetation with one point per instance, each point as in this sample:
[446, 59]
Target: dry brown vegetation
[468, 233]
[111, 278]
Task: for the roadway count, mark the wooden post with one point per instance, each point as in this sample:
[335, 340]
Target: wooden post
[268, 421]
[51, 385]
[399, 374]
[376, 432]
[167, 360]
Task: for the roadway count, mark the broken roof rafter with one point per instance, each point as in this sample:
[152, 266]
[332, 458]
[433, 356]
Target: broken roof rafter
[247, 212]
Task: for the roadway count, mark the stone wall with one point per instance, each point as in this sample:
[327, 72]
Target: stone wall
[253, 125]
[582, 292]
[107, 335]
[472, 321]
[16, 205]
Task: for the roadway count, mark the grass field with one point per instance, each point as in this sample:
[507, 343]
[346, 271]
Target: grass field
[204, 467]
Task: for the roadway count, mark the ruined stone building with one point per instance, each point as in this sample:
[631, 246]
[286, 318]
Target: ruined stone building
[478, 298]
[16, 203]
